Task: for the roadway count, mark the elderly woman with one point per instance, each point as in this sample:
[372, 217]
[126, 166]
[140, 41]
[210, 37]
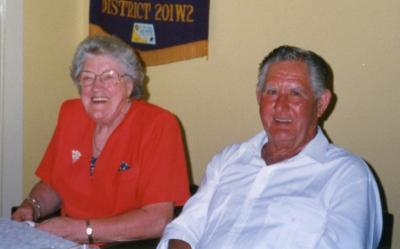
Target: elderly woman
[115, 164]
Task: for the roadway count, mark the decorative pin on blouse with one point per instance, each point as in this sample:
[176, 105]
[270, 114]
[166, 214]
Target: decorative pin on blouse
[123, 166]
[75, 155]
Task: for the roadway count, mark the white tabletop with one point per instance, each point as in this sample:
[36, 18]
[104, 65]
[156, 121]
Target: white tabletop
[19, 235]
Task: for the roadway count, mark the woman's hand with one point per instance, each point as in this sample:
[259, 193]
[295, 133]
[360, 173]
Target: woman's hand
[41, 202]
[68, 228]
[24, 212]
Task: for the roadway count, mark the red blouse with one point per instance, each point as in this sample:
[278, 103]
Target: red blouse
[143, 162]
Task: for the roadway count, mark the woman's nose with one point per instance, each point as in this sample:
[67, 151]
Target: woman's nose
[97, 82]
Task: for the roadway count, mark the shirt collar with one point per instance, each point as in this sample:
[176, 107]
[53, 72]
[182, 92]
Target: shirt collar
[315, 149]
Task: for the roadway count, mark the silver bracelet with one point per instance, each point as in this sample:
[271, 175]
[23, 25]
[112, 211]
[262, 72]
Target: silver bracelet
[36, 206]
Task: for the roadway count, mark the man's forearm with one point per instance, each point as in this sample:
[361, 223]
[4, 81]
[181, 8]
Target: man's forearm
[178, 244]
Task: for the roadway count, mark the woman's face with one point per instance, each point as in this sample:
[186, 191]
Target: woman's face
[105, 91]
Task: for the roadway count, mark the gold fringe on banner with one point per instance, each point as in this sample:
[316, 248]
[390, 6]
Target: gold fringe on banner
[165, 55]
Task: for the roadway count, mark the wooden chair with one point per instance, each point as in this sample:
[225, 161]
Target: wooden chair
[386, 239]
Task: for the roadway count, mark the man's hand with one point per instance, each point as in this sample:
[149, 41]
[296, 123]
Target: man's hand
[178, 244]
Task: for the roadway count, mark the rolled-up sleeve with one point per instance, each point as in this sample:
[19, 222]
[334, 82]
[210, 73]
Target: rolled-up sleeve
[354, 214]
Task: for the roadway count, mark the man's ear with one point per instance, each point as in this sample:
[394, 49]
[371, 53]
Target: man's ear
[323, 102]
[258, 95]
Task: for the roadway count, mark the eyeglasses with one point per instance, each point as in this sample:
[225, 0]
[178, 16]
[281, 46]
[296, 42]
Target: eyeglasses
[107, 78]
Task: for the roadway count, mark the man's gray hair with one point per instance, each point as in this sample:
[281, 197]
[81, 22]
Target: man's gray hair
[319, 70]
[115, 48]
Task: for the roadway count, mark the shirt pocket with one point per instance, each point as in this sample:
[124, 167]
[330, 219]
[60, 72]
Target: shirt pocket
[301, 221]
[125, 184]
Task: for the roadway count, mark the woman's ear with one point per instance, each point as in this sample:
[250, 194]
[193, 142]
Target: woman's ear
[129, 88]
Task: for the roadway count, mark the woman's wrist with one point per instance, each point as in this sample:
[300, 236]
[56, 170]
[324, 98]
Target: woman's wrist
[89, 232]
[36, 207]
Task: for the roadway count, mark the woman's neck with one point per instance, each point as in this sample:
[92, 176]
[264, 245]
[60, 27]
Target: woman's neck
[104, 130]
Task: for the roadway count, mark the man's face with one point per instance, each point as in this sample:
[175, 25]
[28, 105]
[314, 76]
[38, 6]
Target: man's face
[289, 110]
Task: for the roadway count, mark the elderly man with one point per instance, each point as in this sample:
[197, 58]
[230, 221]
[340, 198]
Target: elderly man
[287, 187]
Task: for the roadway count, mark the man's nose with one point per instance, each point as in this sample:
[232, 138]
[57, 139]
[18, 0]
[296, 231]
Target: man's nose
[282, 102]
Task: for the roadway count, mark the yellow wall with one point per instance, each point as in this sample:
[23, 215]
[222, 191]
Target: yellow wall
[215, 97]
[51, 31]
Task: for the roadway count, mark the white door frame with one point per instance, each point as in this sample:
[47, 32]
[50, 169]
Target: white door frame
[11, 104]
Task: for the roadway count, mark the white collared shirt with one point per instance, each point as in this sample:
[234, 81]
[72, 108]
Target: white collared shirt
[324, 197]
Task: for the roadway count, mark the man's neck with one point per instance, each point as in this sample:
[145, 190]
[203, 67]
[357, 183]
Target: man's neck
[272, 154]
